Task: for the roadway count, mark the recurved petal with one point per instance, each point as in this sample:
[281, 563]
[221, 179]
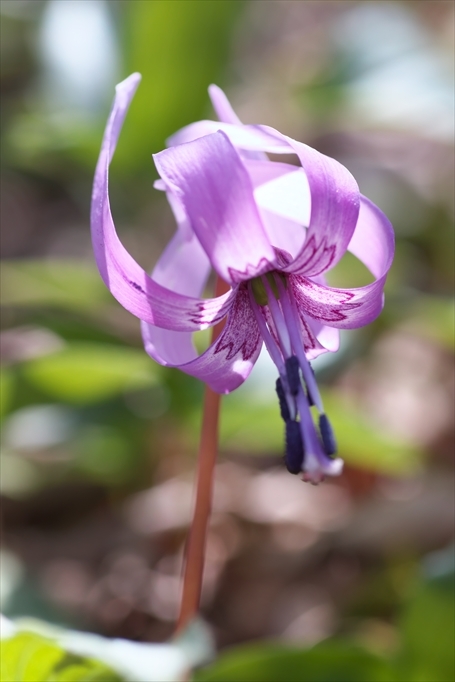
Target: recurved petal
[334, 208]
[227, 362]
[373, 244]
[222, 106]
[373, 241]
[183, 267]
[127, 281]
[244, 137]
[341, 308]
[209, 178]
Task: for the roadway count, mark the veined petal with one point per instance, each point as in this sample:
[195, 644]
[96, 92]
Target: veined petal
[334, 208]
[126, 280]
[341, 308]
[373, 244]
[222, 106]
[229, 360]
[213, 185]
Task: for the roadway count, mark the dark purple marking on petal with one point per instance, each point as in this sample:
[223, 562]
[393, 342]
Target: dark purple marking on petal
[250, 272]
[319, 256]
[234, 342]
[333, 307]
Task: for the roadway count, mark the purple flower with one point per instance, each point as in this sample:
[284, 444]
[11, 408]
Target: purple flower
[270, 230]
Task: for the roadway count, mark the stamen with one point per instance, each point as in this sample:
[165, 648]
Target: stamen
[294, 448]
[292, 373]
[327, 435]
[284, 408]
[292, 317]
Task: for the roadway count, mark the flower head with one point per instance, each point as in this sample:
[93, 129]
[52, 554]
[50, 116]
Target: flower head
[270, 230]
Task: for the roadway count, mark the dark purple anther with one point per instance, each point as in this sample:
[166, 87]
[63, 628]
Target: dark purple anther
[293, 375]
[328, 439]
[294, 448]
[284, 409]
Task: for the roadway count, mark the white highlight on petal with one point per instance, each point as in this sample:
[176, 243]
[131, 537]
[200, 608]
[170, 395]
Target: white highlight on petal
[287, 196]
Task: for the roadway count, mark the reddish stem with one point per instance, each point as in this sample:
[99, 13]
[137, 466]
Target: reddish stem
[208, 448]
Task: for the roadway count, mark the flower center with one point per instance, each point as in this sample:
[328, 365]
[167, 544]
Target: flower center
[308, 447]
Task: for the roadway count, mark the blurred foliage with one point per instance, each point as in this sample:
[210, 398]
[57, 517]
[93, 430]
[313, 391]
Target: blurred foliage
[87, 372]
[426, 629]
[28, 657]
[66, 284]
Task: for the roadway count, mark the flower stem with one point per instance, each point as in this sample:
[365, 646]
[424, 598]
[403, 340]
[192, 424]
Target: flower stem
[208, 448]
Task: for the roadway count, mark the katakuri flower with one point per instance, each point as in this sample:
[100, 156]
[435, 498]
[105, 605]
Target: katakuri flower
[270, 230]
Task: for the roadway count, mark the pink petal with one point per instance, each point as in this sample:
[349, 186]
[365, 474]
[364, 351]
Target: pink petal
[334, 208]
[282, 195]
[334, 192]
[373, 244]
[243, 137]
[373, 241]
[183, 267]
[229, 360]
[126, 280]
[222, 106]
[212, 183]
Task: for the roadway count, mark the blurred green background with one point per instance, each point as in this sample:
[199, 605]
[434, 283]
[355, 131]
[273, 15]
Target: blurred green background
[352, 580]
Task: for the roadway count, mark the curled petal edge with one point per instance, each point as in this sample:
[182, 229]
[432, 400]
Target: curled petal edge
[133, 288]
[373, 244]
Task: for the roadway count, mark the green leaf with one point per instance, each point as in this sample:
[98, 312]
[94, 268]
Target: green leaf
[84, 373]
[28, 657]
[327, 662]
[179, 47]
[62, 283]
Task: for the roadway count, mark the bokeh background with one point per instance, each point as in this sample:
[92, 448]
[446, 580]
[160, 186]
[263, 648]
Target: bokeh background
[99, 443]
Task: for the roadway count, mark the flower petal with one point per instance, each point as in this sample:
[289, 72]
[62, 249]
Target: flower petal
[222, 106]
[212, 183]
[373, 244]
[229, 360]
[126, 280]
[243, 137]
[373, 241]
[334, 192]
[283, 197]
[183, 267]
